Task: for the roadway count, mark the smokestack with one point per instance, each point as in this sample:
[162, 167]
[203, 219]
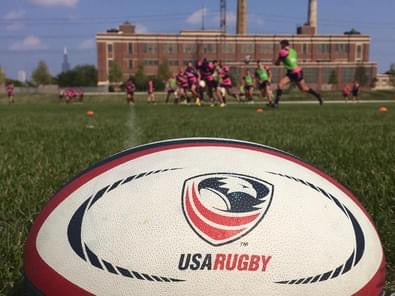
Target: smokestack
[241, 26]
[312, 21]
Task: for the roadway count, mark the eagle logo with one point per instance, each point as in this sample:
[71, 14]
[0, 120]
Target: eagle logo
[223, 207]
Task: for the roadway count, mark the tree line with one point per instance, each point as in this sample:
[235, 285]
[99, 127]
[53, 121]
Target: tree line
[86, 75]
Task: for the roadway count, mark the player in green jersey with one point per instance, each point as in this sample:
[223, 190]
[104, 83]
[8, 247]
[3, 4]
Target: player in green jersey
[249, 85]
[289, 57]
[263, 76]
[171, 87]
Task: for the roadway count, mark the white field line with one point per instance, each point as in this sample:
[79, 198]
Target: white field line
[134, 130]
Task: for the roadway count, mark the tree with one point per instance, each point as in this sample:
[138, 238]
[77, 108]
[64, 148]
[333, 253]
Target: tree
[41, 74]
[333, 78]
[140, 78]
[361, 75]
[352, 32]
[80, 75]
[164, 70]
[2, 76]
[115, 72]
[391, 73]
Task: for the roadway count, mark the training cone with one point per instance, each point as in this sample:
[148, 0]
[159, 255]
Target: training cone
[90, 113]
[383, 109]
[259, 110]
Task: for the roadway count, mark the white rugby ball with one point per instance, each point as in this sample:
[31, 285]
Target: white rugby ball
[204, 217]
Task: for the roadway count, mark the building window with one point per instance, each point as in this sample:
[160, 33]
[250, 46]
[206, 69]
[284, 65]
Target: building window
[342, 48]
[348, 75]
[173, 62]
[130, 64]
[311, 75]
[150, 47]
[305, 49]
[324, 48]
[209, 48]
[229, 48]
[109, 50]
[151, 62]
[130, 48]
[247, 48]
[359, 52]
[170, 48]
[190, 48]
[266, 48]
[327, 74]
[110, 62]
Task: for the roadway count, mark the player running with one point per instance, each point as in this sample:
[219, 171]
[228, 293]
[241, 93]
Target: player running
[193, 80]
[130, 89]
[263, 76]
[210, 75]
[289, 57]
[10, 92]
[171, 87]
[248, 80]
[227, 85]
[182, 85]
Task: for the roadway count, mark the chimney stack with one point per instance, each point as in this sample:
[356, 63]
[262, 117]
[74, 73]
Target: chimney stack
[241, 26]
[312, 21]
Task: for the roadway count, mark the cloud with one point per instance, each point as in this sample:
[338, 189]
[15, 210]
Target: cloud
[140, 28]
[88, 44]
[69, 3]
[196, 17]
[14, 20]
[29, 43]
[256, 19]
[211, 18]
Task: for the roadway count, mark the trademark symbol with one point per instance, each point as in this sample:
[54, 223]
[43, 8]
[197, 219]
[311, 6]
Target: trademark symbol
[243, 244]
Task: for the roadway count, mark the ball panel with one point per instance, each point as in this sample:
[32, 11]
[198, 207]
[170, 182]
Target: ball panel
[124, 166]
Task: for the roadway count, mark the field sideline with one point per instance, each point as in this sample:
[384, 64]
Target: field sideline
[44, 143]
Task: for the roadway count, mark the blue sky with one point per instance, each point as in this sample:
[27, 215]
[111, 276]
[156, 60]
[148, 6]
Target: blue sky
[31, 30]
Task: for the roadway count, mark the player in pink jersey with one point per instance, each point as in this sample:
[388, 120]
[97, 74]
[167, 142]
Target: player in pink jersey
[182, 85]
[193, 80]
[226, 84]
[10, 92]
[346, 92]
[130, 88]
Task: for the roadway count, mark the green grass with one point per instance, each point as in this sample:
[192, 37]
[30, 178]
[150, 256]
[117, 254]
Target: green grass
[43, 144]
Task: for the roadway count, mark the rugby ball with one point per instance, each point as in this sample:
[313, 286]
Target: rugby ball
[202, 83]
[203, 217]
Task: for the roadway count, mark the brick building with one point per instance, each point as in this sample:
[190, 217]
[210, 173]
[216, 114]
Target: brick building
[320, 55]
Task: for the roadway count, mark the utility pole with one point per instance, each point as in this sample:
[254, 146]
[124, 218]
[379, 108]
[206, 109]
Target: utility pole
[222, 19]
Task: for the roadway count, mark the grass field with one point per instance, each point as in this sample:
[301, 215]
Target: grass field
[44, 143]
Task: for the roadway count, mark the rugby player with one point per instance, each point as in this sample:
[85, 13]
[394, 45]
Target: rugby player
[130, 89]
[289, 57]
[171, 87]
[356, 90]
[150, 91]
[249, 86]
[226, 83]
[10, 92]
[346, 92]
[263, 76]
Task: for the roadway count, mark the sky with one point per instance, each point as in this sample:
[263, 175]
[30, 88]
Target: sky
[33, 30]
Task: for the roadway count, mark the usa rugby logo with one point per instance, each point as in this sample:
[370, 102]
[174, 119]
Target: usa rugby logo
[223, 207]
